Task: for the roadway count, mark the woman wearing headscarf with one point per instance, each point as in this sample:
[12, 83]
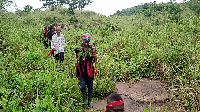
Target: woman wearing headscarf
[86, 55]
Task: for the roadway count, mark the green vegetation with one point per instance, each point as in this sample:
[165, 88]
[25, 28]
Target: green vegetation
[79, 4]
[149, 9]
[4, 3]
[130, 47]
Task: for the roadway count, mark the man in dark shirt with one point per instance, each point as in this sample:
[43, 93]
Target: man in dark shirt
[45, 36]
[50, 34]
[45, 31]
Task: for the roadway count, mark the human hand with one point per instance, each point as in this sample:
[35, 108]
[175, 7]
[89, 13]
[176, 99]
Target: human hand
[54, 49]
[94, 47]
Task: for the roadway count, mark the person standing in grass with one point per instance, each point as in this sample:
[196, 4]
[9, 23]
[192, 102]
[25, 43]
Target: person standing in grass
[45, 36]
[86, 55]
[75, 25]
[58, 45]
[45, 31]
[50, 34]
[69, 26]
[114, 103]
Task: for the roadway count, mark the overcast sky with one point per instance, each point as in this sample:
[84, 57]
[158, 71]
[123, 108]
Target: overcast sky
[105, 7]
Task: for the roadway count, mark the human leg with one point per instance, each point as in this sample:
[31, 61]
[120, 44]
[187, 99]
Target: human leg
[61, 57]
[90, 89]
[56, 57]
[82, 88]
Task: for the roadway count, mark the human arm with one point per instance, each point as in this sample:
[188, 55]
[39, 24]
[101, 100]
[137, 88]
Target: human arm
[53, 44]
[94, 56]
[63, 42]
[94, 52]
[77, 70]
[48, 35]
[94, 48]
[76, 64]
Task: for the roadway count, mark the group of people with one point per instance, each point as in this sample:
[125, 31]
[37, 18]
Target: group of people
[56, 41]
[86, 56]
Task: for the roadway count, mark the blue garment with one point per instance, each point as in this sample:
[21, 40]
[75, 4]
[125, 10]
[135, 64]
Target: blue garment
[86, 80]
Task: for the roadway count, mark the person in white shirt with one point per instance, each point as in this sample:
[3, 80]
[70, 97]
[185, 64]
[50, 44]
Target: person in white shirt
[58, 45]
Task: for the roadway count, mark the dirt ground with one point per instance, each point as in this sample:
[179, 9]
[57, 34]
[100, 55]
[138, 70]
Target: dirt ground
[140, 96]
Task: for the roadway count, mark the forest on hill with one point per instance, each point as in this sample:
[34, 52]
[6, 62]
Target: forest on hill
[149, 8]
[156, 41]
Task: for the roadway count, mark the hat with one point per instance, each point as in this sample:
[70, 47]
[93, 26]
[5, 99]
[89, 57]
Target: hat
[86, 36]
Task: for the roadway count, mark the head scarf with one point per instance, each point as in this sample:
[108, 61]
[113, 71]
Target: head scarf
[116, 103]
[86, 36]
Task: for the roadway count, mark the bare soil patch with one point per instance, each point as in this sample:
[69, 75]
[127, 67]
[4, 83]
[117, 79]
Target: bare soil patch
[145, 94]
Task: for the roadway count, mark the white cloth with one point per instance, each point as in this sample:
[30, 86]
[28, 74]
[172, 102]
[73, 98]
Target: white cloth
[58, 42]
[65, 27]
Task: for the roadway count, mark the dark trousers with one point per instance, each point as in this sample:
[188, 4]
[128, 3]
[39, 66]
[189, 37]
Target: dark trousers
[86, 80]
[59, 56]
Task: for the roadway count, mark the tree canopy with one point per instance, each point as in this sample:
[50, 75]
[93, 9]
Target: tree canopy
[28, 8]
[80, 4]
[53, 3]
[195, 6]
[75, 4]
[172, 7]
[3, 3]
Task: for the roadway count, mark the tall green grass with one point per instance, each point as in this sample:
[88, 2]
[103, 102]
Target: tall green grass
[129, 48]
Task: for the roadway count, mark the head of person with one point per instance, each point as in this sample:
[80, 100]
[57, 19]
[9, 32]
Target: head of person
[62, 26]
[45, 26]
[114, 103]
[52, 31]
[86, 39]
[51, 27]
[58, 30]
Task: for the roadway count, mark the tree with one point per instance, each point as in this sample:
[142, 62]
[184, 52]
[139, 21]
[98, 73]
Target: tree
[80, 4]
[4, 3]
[19, 12]
[71, 11]
[194, 5]
[172, 1]
[83, 3]
[146, 6]
[53, 3]
[48, 3]
[28, 8]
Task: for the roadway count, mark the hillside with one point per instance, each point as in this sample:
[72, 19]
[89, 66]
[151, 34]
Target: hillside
[163, 46]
